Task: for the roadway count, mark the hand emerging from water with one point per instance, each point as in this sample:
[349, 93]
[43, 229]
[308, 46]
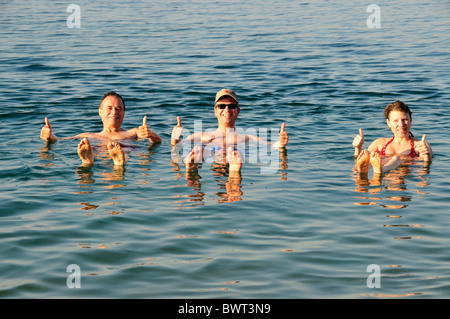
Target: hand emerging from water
[284, 137]
[358, 142]
[145, 132]
[177, 131]
[46, 132]
[424, 149]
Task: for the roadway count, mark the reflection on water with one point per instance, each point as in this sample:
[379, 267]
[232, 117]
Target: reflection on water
[399, 180]
[396, 180]
[47, 158]
[106, 174]
[229, 183]
[283, 164]
[117, 172]
[323, 73]
[85, 174]
[194, 182]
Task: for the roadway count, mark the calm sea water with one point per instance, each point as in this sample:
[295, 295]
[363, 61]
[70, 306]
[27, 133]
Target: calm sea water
[309, 230]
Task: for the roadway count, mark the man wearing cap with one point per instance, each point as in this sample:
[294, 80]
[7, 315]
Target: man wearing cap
[112, 112]
[224, 140]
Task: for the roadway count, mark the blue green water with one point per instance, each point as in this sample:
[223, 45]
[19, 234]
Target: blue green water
[309, 230]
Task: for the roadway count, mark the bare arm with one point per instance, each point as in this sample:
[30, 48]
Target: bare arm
[47, 134]
[375, 146]
[282, 141]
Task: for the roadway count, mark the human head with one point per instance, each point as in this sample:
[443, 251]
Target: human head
[227, 116]
[112, 110]
[398, 118]
[226, 92]
[112, 93]
[397, 106]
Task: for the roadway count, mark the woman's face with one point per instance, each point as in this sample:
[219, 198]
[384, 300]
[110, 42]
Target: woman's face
[400, 123]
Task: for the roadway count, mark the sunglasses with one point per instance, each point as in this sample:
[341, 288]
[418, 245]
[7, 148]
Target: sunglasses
[230, 106]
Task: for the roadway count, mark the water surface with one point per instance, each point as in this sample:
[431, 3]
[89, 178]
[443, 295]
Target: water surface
[309, 230]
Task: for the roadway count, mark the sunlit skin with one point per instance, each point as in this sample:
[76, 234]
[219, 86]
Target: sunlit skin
[379, 164]
[224, 136]
[85, 152]
[112, 113]
[375, 161]
[399, 123]
[116, 153]
[234, 158]
[362, 162]
[223, 143]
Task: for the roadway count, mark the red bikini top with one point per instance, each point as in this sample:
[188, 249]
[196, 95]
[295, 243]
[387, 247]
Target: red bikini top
[413, 151]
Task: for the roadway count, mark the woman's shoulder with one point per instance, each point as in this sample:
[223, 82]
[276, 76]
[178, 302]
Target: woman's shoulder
[378, 143]
[381, 140]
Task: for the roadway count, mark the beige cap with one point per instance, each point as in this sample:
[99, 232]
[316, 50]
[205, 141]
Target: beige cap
[226, 92]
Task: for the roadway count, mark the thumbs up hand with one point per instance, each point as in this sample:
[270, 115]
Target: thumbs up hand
[46, 132]
[177, 131]
[284, 137]
[143, 130]
[423, 148]
[358, 142]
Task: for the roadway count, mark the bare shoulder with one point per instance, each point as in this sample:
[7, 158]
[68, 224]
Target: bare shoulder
[378, 144]
[205, 137]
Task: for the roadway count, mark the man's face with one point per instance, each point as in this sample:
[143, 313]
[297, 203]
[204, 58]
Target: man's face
[227, 115]
[112, 111]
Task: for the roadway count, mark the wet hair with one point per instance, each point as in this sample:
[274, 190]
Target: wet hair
[397, 106]
[112, 93]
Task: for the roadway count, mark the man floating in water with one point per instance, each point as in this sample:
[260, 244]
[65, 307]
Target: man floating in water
[112, 112]
[225, 139]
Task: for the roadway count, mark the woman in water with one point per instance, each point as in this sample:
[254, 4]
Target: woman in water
[386, 153]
